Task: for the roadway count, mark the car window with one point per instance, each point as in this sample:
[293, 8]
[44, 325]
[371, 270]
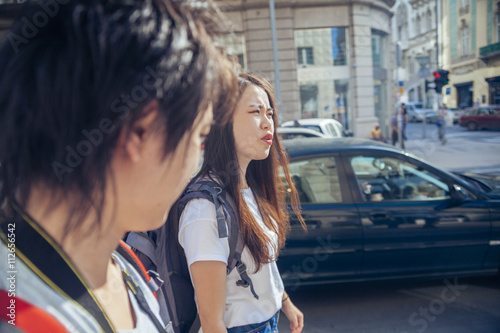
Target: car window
[340, 129]
[388, 178]
[316, 180]
[289, 136]
[471, 112]
[313, 127]
[331, 129]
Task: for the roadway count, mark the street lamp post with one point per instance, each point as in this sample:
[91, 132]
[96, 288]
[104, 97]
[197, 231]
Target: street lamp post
[277, 81]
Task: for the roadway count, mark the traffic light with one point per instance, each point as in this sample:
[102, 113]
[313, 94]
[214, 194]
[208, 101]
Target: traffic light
[444, 76]
[440, 79]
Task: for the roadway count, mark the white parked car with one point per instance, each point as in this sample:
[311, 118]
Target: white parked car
[330, 127]
[417, 113]
[287, 133]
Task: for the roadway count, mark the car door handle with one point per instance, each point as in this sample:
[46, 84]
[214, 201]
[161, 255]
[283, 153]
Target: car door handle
[378, 216]
[311, 225]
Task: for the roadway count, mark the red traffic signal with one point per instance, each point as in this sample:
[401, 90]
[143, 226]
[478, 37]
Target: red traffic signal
[436, 75]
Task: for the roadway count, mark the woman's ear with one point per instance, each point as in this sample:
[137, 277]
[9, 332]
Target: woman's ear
[134, 140]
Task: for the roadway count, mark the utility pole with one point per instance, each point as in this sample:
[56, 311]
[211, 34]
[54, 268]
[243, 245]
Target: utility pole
[277, 80]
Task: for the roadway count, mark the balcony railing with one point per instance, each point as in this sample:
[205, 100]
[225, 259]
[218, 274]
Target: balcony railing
[489, 50]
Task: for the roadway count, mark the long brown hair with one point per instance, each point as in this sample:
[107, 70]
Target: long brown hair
[263, 177]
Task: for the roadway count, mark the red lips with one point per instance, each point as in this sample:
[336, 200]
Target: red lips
[268, 138]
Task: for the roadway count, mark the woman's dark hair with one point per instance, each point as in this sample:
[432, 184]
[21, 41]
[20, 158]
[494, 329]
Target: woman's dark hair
[262, 176]
[70, 84]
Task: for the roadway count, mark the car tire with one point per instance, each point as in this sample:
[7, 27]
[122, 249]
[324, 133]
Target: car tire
[472, 126]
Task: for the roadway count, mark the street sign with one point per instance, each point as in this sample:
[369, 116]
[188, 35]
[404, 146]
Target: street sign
[423, 60]
[423, 73]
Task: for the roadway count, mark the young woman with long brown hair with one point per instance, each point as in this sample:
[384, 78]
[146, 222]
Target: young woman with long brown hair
[245, 157]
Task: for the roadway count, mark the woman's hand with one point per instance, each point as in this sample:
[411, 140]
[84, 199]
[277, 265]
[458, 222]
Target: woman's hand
[294, 315]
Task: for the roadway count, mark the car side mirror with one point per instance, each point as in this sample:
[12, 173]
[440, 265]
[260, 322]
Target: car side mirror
[459, 194]
[348, 133]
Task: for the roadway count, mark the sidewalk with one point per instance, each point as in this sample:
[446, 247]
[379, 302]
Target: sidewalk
[464, 151]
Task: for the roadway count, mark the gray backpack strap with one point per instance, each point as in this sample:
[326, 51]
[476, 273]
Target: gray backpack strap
[245, 281]
[142, 242]
[214, 191]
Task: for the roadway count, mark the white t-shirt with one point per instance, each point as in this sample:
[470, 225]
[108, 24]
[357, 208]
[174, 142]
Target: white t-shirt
[199, 237]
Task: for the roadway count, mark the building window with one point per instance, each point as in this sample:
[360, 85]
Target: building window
[419, 26]
[339, 46]
[464, 7]
[235, 46]
[305, 56]
[429, 20]
[324, 89]
[378, 49]
[402, 23]
[309, 101]
[464, 38]
[498, 25]
[411, 95]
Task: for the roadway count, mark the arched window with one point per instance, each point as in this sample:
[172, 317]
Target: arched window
[402, 22]
[464, 38]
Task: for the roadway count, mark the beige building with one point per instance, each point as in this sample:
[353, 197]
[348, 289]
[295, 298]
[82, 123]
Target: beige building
[471, 51]
[335, 57]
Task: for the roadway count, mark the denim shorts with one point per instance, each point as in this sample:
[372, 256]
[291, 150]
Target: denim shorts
[268, 326]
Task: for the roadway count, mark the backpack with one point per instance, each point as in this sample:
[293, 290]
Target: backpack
[160, 252]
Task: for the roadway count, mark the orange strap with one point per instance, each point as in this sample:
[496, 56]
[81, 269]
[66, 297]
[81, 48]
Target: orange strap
[136, 258]
[28, 317]
[138, 261]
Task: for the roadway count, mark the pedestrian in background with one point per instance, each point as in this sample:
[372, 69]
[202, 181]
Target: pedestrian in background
[441, 125]
[398, 124]
[376, 134]
[248, 141]
[102, 116]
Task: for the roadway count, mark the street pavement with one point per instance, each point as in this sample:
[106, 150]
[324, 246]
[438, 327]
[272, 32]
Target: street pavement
[477, 151]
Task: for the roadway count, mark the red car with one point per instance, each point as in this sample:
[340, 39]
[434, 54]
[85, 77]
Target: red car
[486, 116]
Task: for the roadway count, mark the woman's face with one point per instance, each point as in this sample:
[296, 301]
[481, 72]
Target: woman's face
[253, 125]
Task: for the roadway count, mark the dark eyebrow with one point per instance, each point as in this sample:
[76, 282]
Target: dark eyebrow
[260, 106]
[255, 105]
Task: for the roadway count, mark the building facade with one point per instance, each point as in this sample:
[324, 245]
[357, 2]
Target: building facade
[471, 52]
[415, 31]
[334, 57]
